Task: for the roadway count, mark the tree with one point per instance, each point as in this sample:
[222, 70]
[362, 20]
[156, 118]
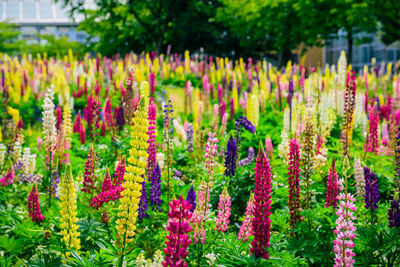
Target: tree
[265, 25]
[354, 16]
[388, 15]
[145, 25]
[9, 38]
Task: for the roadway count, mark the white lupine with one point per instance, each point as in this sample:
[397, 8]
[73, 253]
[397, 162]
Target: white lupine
[49, 121]
[180, 131]
[3, 152]
[25, 159]
[359, 177]
[16, 151]
[360, 118]
[342, 65]
[283, 147]
[32, 164]
[286, 119]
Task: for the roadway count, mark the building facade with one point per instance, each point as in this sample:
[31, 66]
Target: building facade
[35, 17]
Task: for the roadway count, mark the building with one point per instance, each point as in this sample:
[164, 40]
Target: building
[36, 17]
[363, 53]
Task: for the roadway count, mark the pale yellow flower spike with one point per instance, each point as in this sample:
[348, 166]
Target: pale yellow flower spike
[133, 177]
[68, 212]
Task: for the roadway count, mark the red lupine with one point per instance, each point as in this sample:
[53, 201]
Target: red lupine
[332, 186]
[262, 206]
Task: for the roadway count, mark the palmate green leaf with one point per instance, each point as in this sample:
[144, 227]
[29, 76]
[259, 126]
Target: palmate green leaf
[11, 245]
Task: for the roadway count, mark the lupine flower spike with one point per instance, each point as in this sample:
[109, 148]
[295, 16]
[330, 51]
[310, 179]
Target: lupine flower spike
[178, 227]
[33, 206]
[262, 206]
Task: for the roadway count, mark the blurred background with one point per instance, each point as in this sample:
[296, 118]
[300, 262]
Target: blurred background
[311, 32]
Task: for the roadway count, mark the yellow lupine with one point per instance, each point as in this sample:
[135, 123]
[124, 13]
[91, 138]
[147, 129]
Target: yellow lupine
[68, 212]
[67, 122]
[135, 169]
[14, 113]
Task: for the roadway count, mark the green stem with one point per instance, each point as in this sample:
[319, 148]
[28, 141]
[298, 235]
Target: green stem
[50, 180]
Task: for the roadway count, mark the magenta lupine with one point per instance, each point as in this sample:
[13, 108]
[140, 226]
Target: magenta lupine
[262, 206]
[105, 197]
[151, 150]
[89, 181]
[82, 135]
[77, 124]
[106, 185]
[8, 178]
[332, 186]
[108, 117]
[178, 227]
[345, 229]
[246, 229]
[224, 211]
[294, 182]
[33, 206]
[373, 142]
[119, 173]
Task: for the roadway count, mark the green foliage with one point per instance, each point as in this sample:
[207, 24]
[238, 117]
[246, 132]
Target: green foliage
[9, 34]
[53, 46]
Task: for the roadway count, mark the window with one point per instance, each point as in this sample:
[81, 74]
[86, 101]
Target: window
[29, 9]
[45, 9]
[61, 11]
[12, 9]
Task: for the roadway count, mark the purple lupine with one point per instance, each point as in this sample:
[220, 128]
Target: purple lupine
[120, 116]
[243, 122]
[191, 198]
[155, 189]
[189, 134]
[230, 159]
[143, 206]
[394, 213]
[55, 181]
[371, 190]
[249, 159]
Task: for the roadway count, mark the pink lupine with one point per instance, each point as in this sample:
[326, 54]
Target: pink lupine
[269, 148]
[33, 206]
[151, 150]
[262, 206]
[246, 229]
[178, 227]
[210, 151]
[201, 213]
[224, 212]
[345, 229]
[331, 186]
